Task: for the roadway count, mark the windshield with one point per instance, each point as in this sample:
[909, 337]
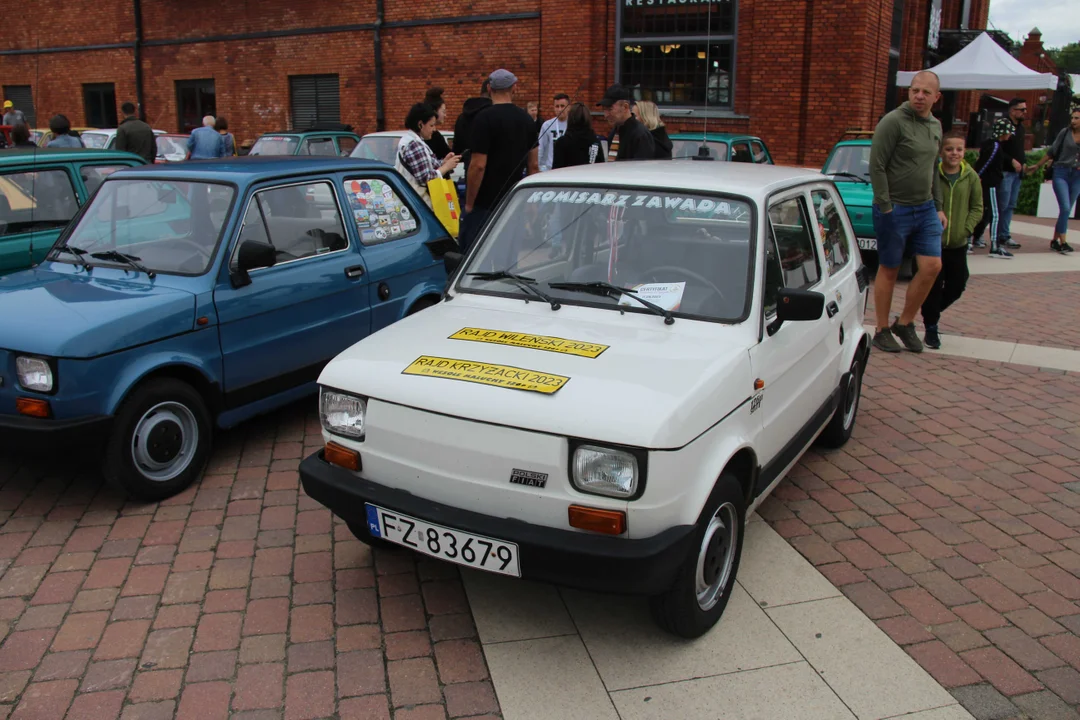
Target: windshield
[94, 139]
[167, 226]
[172, 149]
[274, 145]
[682, 149]
[377, 148]
[852, 159]
[686, 252]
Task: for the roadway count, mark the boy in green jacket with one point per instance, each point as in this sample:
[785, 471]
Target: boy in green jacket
[963, 206]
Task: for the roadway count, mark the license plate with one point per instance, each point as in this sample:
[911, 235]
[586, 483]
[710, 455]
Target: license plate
[482, 553]
[867, 243]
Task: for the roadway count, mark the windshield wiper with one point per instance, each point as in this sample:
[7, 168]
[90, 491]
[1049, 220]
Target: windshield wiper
[860, 178]
[129, 260]
[527, 284]
[608, 290]
[77, 252]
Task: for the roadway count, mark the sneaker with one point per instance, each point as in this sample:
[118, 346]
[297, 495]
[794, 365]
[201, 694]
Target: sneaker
[971, 250]
[1010, 243]
[1001, 254]
[884, 340]
[1066, 248]
[908, 336]
[931, 338]
[979, 243]
[1055, 246]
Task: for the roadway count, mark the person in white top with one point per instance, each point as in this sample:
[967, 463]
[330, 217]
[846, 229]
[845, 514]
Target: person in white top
[552, 130]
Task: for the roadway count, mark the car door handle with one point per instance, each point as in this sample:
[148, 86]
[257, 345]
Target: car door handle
[832, 308]
[354, 272]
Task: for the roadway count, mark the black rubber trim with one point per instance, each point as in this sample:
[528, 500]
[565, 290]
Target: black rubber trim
[798, 443]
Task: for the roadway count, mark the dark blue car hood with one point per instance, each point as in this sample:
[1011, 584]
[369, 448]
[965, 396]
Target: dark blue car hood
[60, 315]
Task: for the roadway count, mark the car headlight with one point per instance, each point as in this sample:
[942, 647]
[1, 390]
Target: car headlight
[342, 414]
[34, 374]
[603, 471]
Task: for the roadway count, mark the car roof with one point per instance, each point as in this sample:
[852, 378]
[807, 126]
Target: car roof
[399, 133]
[251, 169]
[713, 136]
[298, 133]
[856, 141]
[13, 156]
[746, 179]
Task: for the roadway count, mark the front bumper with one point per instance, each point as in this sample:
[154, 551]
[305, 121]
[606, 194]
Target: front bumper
[20, 434]
[645, 566]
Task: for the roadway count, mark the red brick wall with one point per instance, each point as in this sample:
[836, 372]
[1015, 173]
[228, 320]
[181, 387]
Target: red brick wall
[796, 90]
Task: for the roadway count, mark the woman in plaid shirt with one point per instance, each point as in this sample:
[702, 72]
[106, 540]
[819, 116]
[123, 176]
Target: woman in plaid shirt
[415, 160]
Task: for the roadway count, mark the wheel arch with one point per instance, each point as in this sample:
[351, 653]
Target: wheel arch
[189, 374]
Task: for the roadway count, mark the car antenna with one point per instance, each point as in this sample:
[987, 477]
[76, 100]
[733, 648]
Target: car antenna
[703, 149]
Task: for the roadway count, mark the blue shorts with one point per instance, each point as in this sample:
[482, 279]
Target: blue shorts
[914, 225]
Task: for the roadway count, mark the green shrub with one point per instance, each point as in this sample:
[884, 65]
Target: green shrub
[1028, 202]
[971, 156]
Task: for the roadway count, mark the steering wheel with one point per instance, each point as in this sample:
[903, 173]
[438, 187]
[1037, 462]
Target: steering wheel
[688, 273]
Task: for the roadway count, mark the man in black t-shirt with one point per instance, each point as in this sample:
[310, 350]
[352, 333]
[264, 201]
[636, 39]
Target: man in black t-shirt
[504, 149]
[1008, 192]
[631, 140]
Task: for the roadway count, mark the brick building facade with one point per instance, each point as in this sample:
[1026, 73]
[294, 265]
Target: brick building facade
[796, 73]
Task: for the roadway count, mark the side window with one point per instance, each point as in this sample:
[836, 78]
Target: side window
[790, 229]
[346, 145]
[36, 201]
[94, 175]
[740, 152]
[318, 146]
[299, 221]
[378, 211]
[760, 156]
[834, 236]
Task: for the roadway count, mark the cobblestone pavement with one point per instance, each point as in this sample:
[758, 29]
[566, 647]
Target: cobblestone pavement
[239, 598]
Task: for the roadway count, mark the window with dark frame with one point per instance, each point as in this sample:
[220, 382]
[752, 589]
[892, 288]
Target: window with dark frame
[314, 100]
[99, 102]
[195, 99]
[677, 52]
[23, 99]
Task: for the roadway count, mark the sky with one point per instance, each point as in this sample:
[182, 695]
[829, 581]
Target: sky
[1058, 20]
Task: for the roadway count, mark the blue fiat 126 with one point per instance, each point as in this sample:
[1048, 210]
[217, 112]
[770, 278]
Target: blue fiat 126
[187, 297]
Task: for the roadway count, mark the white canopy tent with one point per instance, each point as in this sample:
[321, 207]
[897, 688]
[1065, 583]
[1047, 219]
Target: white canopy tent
[984, 65]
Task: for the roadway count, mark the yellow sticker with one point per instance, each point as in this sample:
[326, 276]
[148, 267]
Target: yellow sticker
[505, 376]
[536, 342]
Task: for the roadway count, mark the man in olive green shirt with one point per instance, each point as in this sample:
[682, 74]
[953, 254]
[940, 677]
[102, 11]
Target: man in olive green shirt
[907, 208]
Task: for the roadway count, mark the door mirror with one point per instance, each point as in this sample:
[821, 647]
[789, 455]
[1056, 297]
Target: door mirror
[440, 246]
[797, 306]
[452, 261]
[252, 255]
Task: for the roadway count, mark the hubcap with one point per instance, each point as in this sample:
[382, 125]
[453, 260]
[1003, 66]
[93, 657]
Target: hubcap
[164, 441]
[851, 394]
[716, 556]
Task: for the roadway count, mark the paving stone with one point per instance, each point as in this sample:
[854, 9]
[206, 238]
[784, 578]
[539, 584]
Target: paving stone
[985, 703]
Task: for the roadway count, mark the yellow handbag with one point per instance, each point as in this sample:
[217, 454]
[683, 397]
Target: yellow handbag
[444, 203]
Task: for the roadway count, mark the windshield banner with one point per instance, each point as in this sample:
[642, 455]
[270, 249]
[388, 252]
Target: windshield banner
[700, 206]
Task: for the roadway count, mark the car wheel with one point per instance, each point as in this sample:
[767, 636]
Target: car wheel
[361, 533]
[160, 441]
[703, 583]
[838, 431]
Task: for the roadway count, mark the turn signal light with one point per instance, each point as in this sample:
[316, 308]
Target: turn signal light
[342, 456]
[32, 407]
[609, 522]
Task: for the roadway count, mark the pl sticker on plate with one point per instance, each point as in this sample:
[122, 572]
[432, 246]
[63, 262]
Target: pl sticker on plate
[504, 376]
[535, 342]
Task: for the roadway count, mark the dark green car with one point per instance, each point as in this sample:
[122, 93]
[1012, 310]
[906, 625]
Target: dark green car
[306, 142]
[721, 146]
[41, 190]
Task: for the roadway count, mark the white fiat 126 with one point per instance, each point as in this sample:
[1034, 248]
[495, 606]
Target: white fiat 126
[621, 369]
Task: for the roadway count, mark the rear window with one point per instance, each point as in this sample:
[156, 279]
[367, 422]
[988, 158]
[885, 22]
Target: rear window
[36, 201]
[94, 140]
[275, 145]
[683, 149]
[382, 148]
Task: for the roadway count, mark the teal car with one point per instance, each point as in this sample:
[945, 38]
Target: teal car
[721, 146]
[41, 191]
[326, 143]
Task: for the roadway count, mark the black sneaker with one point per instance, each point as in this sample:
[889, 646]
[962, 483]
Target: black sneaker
[884, 340]
[1066, 247]
[1000, 253]
[1055, 246]
[908, 336]
[1011, 244]
[931, 338]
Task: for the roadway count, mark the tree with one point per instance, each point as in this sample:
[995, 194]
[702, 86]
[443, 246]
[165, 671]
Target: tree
[1066, 58]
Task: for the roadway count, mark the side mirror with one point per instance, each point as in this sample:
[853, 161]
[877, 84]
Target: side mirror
[252, 255]
[797, 306]
[440, 246]
[452, 261]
